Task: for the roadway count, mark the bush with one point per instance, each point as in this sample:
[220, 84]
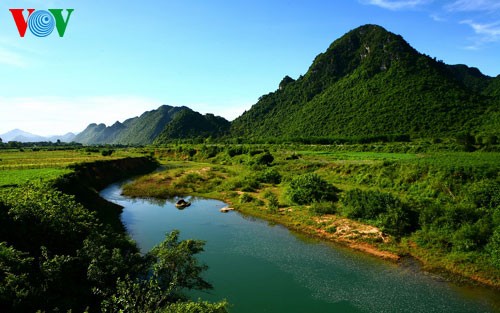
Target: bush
[233, 151]
[249, 184]
[309, 188]
[270, 176]
[107, 152]
[360, 204]
[273, 202]
[388, 211]
[485, 194]
[264, 159]
[245, 198]
[209, 151]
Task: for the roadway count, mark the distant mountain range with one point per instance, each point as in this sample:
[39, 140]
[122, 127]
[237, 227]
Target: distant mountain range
[369, 82]
[22, 136]
[166, 123]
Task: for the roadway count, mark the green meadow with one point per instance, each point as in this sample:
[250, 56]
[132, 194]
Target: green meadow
[18, 166]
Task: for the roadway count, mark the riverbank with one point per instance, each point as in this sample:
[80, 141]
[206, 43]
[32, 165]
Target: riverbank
[86, 180]
[235, 184]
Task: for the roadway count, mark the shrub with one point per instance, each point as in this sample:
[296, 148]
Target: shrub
[255, 152]
[310, 188]
[485, 194]
[273, 203]
[270, 176]
[367, 205]
[249, 184]
[245, 198]
[209, 151]
[233, 151]
[388, 211]
[264, 159]
[107, 152]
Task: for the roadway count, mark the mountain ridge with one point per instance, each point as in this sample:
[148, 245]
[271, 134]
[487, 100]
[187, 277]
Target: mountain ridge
[24, 136]
[372, 82]
[147, 127]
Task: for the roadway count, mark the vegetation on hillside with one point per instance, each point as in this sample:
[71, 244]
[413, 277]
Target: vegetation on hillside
[190, 124]
[164, 124]
[371, 82]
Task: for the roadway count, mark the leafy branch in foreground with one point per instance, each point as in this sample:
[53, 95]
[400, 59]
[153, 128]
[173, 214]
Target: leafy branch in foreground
[172, 267]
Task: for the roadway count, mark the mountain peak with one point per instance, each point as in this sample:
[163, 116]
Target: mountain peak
[371, 46]
[371, 82]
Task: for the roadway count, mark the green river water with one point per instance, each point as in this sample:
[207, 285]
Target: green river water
[260, 267]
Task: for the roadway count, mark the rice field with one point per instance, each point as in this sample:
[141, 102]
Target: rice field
[17, 166]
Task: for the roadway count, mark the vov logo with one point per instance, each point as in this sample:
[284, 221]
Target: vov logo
[41, 23]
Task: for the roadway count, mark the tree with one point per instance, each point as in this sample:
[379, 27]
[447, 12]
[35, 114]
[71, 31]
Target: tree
[172, 268]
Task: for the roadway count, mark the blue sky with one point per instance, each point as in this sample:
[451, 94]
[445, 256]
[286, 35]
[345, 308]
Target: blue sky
[121, 58]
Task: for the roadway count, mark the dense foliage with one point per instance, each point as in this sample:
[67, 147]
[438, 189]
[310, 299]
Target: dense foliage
[56, 255]
[383, 209]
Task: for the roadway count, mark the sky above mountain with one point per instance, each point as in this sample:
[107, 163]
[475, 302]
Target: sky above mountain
[118, 59]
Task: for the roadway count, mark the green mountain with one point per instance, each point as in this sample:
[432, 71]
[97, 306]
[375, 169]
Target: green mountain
[146, 128]
[372, 82]
[191, 124]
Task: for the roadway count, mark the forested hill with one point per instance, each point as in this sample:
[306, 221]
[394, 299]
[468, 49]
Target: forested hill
[372, 82]
[147, 127]
[190, 124]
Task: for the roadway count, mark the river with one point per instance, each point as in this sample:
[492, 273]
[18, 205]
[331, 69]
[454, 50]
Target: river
[260, 267]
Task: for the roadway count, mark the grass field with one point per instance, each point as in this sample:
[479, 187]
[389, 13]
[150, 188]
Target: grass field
[21, 176]
[17, 167]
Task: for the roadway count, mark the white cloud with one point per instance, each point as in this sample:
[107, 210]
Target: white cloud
[397, 5]
[474, 5]
[437, 18]
[491, 30]
[486, 33]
